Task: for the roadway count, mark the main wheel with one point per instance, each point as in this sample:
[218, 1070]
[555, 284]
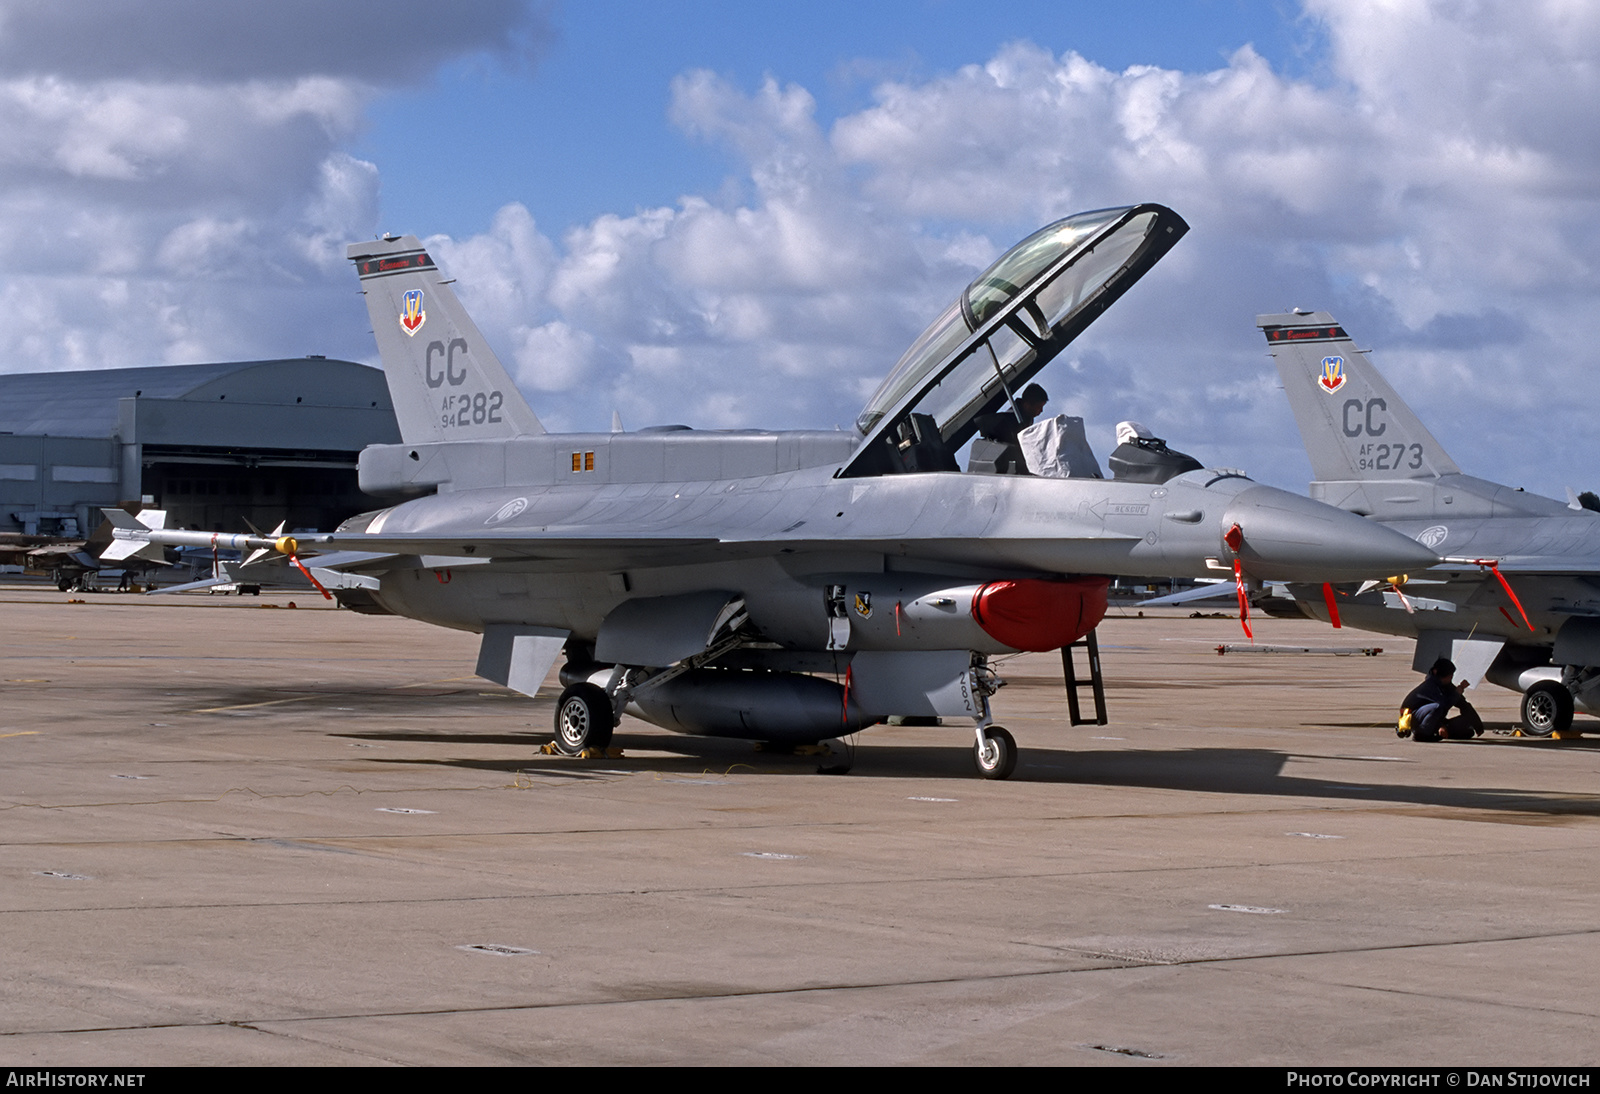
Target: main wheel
[1546, 709]
[996, 757]
[583, 719]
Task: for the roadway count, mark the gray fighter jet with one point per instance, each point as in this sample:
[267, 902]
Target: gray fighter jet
[1518, 597]
[796, 586]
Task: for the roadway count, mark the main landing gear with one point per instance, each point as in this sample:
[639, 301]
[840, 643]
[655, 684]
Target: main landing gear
[583, 719]
[1546, 708]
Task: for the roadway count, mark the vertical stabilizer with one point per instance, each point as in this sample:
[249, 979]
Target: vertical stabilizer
[1353, 424]
[446, 383]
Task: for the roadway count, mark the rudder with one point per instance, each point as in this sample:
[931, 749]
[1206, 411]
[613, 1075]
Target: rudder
[445, 381]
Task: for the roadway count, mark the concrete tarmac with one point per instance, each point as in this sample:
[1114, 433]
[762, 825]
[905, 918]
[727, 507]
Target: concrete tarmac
[236, 833]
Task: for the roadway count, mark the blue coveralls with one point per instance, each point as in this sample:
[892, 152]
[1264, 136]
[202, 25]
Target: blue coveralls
[1430, 703]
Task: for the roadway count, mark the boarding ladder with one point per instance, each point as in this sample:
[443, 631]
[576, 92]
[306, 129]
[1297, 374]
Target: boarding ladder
[1094, 680]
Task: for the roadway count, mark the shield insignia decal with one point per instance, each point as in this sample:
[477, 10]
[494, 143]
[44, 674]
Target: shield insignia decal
[864, 605]
[411, 314]
[1332, 378]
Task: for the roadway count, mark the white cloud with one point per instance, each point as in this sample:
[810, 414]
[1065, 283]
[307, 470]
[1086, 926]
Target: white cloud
[769, 312]
[504, 273]
[1435, 186]
[1435, 189]
[554, 357]
[175, 186]
[178, 190]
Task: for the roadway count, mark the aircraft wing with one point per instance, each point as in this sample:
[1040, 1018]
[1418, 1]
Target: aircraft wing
[579, 546]
[1527, 565]
[582, 550]
[337, 560]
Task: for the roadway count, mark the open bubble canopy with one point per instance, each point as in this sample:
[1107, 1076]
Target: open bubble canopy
[1011, 321]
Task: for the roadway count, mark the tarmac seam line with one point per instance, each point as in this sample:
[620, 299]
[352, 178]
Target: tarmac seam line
[1125, 964]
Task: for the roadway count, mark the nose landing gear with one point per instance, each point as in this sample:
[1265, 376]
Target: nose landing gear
[995, 752]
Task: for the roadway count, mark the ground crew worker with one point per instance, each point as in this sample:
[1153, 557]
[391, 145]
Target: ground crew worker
[1429, 708]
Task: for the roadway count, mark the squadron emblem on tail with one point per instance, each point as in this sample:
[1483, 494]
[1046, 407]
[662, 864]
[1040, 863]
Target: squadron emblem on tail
[1332, 378]
[411, 314]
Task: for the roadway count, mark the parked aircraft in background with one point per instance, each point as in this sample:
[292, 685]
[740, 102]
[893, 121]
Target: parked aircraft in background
[797, 586]
[63, 557]
[1518, 597]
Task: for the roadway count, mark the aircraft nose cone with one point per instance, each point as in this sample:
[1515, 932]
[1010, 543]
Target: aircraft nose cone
[1291, 538]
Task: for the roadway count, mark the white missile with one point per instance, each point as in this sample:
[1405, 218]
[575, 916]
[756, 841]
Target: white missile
[143, 536]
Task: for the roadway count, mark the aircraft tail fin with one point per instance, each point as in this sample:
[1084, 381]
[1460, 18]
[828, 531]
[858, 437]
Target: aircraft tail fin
[445, 381]
[1354, 425]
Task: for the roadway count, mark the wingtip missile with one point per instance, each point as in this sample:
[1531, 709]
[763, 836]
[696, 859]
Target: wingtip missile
[131, 537]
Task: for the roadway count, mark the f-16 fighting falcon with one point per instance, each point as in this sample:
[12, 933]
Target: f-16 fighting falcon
[795, 587]
[1517, 598]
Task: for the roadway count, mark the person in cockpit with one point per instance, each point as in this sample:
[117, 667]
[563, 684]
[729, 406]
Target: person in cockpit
[1006, 424]
[1003, 426]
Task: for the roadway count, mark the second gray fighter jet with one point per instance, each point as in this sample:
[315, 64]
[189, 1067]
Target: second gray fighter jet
[1518, 599]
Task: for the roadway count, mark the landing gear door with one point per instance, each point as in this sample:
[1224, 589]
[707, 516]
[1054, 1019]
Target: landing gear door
[934, 682]
[658, 631]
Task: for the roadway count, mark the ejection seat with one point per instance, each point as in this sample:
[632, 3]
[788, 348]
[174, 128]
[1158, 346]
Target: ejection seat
[920, 447]
[1141, 456]
[1056, 448]
[989, 457]
[1053, 448]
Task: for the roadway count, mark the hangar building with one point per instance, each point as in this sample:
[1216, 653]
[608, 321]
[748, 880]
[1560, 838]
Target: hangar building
[214, 445]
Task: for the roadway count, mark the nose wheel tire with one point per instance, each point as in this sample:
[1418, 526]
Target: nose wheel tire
[996, 756]
[583, 719]
[1546, 709]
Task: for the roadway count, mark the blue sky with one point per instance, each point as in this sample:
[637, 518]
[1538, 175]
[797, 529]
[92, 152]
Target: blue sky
[739, 215]
[583, 128]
